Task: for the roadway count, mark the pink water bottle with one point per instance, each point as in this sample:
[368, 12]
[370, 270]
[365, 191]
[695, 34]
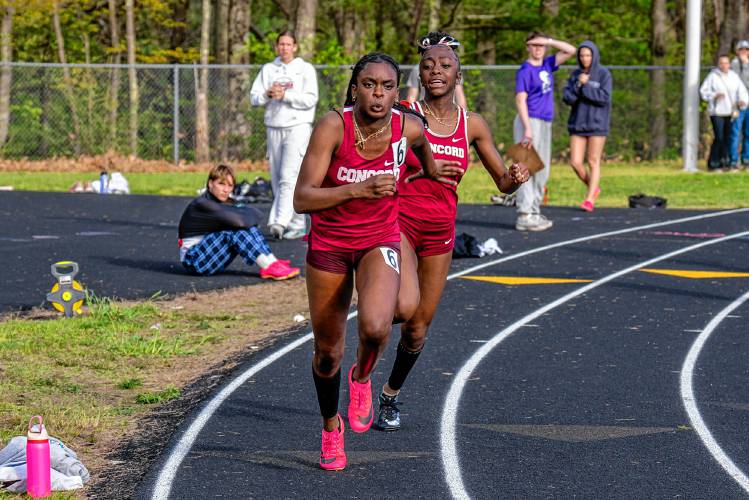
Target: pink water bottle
[39, 483]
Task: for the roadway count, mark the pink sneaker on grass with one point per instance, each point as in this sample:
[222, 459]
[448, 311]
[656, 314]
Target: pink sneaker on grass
[332, 454]
[279, 270]
[360, 412]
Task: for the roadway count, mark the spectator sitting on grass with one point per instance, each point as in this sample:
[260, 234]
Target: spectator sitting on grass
[213, 231]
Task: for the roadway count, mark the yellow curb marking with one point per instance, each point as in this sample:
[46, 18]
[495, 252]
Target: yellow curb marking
[695, 275]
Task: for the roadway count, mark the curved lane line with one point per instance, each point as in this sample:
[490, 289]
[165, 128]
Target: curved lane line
[450, 460]
[178, 453]
[690, 402]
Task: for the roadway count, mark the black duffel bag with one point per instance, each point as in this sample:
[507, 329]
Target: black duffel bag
[645, 201]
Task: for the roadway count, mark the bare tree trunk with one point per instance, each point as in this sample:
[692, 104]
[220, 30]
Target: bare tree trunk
[435, 6]
[728, 27]
[132, 76]
[305, 27]
[550, 7]
[658, 42]
[90, 129]
[67, 80]
[202, 151]
[351, 29]
[238, 127]
[487, 52]
[114, 88]
[179, 31]
[417, 14]
[6, 73]
[222, 31]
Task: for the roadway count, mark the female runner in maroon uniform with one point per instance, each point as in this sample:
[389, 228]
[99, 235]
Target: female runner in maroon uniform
[428, 209]
[348, 183]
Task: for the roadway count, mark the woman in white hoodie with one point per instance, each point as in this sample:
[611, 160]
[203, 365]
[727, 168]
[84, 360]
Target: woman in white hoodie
[726, 95]
[287, 87]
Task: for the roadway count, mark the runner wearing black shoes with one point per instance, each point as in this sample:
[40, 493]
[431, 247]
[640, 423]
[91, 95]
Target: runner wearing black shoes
[348, 183]
[427, 209]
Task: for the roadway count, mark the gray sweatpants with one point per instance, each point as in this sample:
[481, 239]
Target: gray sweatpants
[531, 194]
[286, 148]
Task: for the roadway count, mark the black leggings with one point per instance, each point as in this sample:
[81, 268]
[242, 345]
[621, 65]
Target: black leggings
[720, 151]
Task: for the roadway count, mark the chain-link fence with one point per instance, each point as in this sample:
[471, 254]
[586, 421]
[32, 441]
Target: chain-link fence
[71, 110]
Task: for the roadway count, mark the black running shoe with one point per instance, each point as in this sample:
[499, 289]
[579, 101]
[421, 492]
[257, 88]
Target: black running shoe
[389, 416]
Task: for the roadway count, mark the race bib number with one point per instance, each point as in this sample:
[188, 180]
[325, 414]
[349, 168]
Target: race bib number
[399, 152]
[391, 258]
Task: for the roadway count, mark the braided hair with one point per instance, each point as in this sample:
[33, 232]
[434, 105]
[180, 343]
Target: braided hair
[377, 57]
[439, 39]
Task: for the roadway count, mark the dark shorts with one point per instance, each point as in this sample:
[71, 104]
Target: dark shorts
[428, 238]
[345, 261]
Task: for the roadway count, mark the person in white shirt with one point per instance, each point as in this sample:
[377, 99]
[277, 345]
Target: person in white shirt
[287, 87]
[726, 96]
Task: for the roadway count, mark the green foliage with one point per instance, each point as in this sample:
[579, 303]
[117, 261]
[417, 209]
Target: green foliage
[149, 398]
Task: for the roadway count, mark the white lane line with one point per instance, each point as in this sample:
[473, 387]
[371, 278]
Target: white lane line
[448, 431]
[690, 402]
[169, 471]
[593, 237]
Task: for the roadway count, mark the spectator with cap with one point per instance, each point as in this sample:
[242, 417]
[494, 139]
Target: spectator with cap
[740, 126]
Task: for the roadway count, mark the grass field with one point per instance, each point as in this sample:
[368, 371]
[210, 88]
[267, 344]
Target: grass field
[619, 180]
[91, 377]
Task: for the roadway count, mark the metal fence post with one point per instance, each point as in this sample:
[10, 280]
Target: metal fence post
[175, 120]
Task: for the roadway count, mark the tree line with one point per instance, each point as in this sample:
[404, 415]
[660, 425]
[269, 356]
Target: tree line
[628, 32]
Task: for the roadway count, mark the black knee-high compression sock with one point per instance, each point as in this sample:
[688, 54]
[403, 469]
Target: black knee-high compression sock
[328, 390]
[404, 361]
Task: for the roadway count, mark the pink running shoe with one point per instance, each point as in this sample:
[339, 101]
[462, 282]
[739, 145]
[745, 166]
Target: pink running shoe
[360, 412]
[587, 206]
[332, 455]
[279, 270]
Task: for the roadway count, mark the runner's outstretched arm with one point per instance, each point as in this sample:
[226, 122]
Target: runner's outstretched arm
[481, 138]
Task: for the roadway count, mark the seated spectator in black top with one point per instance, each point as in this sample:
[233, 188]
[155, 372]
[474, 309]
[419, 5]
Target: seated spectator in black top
[213, 231]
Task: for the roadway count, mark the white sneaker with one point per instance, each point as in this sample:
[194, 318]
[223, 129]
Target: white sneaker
[532, 222]
[277, 230]
[294, 234]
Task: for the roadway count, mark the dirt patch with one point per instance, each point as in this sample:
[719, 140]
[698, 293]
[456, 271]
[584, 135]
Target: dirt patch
[112, 162]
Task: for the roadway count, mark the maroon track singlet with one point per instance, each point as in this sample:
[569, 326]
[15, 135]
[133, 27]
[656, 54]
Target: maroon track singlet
[428, 208]
[360, 223]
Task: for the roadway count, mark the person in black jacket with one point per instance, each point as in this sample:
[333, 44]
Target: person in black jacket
[213, 231]
[588, 91]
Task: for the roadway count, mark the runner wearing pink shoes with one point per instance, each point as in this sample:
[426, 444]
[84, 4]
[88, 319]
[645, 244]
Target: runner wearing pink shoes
[428, 209]
[348, 183]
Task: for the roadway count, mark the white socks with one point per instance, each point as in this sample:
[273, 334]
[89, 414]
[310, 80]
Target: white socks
[264, 261]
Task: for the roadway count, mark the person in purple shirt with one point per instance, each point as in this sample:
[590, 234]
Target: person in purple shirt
[534, 99]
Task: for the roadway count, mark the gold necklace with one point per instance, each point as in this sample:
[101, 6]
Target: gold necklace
[429, 111]
[360, 139]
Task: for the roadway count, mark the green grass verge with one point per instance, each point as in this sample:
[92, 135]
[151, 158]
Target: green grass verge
[161, 183]
[86, 373]
[620, 180]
